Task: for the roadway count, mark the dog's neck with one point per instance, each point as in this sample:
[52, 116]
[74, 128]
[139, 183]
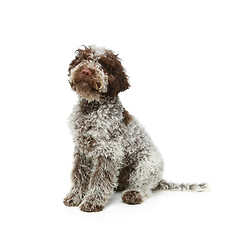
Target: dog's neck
[87, 107]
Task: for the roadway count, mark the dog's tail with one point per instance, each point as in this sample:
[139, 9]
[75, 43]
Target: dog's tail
[165, 185]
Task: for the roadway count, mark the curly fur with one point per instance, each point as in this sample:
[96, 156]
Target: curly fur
[112, 150]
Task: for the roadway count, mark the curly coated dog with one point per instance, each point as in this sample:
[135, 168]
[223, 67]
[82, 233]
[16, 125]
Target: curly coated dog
[112, 150]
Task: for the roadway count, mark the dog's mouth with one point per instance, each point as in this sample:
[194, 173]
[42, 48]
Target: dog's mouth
[88, 84]
[87, 90]
[85, 84]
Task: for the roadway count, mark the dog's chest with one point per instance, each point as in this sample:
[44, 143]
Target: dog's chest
[86, 131]
[95, 128]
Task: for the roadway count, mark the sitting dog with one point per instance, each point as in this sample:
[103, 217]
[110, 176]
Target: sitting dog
[112, 150]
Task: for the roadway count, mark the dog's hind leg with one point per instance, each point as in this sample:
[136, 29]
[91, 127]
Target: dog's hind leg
[145, 177]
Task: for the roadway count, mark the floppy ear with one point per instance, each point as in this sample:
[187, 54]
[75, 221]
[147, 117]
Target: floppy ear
[117, 78]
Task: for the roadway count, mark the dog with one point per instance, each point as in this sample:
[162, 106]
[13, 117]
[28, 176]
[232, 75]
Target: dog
[112, 151]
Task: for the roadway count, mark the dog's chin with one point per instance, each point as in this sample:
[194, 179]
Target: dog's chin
[86, 91]
[84, 86]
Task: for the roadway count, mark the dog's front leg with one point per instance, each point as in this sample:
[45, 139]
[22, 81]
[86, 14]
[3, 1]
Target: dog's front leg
[80, 179]
[101, 186]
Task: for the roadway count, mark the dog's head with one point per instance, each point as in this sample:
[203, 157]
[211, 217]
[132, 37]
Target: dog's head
[96, 73]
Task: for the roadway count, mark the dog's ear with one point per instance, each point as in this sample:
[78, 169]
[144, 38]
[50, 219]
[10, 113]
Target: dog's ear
[117, 77]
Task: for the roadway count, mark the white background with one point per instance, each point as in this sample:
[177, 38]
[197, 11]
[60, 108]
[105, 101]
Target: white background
[183, 59]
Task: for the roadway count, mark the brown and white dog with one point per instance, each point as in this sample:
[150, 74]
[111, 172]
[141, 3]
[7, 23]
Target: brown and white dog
[112, 150]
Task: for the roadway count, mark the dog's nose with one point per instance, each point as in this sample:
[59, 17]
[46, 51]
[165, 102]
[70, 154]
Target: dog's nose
[86, 73]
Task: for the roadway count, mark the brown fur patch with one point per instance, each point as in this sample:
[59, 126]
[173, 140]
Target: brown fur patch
[123, 178]
[126, 117]
[132, 197]
[117, 78]
[90, 207]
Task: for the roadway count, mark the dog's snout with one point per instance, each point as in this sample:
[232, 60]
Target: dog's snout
[86, 73]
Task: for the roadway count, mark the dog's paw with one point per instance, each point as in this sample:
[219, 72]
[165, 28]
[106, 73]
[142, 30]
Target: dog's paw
[132, 197]
[90, 207]
[72, 200]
